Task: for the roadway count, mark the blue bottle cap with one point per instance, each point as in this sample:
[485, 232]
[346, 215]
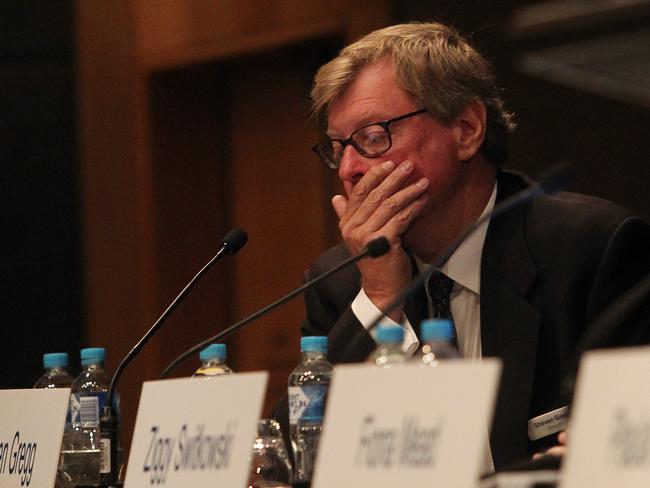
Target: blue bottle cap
[389, 334]
[55, 360]
[213, 351]
[313, 344]
[92, 355]
[437, 330]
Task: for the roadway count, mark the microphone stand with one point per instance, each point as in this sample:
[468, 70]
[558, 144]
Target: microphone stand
[375, 248]
[109, 425]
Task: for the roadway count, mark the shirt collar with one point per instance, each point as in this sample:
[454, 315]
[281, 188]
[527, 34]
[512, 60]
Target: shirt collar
[464, 265]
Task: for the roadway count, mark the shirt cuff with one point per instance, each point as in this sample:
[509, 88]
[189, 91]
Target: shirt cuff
[366, 312]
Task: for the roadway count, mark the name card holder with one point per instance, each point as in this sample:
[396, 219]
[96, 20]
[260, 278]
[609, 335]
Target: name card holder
[609, 431]
[31, 431]
[196, 432]
[407, 426]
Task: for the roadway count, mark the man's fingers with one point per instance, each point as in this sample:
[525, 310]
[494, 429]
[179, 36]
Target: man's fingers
[340, 204]
[374, 177]
[371, 197]
[556, 451]
[394, 228]
[400, 222]
[399, 208]
[381, 203]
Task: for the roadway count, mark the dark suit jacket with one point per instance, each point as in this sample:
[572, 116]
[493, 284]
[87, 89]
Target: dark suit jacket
[548, 268]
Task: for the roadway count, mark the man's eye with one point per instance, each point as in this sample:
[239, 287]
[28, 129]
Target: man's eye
[373, 136]
[378, 136]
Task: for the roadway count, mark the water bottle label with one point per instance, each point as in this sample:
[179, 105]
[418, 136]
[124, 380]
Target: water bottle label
[307, 403]
[87, 408]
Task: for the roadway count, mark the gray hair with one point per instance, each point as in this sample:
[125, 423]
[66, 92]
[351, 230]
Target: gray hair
[435, 65]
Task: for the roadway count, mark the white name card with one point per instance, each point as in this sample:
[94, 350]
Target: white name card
[609, 433]
[407, 426]
[31, 430]
[196, 432]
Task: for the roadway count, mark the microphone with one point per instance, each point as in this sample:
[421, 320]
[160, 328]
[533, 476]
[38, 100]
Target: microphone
[374, 248]
[232, 242]
[552, 180]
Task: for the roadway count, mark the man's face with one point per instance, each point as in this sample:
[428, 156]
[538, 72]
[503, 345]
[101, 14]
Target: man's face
[428, 143]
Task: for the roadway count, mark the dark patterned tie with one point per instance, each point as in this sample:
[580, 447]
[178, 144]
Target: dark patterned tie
[439, 287]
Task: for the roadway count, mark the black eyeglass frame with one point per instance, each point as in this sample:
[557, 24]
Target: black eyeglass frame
[384, 124]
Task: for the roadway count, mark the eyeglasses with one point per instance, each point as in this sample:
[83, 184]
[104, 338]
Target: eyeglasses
[370, 141]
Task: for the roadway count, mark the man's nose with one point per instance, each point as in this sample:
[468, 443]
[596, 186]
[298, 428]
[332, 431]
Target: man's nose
[353, 165]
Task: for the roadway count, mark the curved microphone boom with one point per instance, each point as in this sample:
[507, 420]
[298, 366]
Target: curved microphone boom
[232, 242]
[607, 322]
[375, 248]
[554, 179]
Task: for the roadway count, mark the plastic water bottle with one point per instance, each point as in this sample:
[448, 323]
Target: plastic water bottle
[389, 338]
[56, 376]
[85, 455]
[213, 362]
[269, 465]
[438, 336]
[308, 385]
[56, 371]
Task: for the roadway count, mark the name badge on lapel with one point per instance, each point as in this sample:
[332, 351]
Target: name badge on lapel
[549, 423]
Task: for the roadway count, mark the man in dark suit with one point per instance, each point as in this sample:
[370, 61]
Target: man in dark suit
[417, 133]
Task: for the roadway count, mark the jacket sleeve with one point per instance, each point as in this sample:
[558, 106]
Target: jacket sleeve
[625, 263]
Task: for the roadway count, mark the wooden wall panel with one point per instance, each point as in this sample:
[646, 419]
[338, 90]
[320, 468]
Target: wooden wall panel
[189, 140]
[280, 195]
[180, 140]
[116, 189]
[184, 32]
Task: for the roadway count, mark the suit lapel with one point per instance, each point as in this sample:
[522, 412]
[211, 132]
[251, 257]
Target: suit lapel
[509, 324]
[416, 307]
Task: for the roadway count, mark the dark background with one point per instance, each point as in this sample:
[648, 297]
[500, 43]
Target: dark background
[40, 274]
[41, 282]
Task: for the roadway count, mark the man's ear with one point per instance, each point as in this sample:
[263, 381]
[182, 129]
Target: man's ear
[470, 129]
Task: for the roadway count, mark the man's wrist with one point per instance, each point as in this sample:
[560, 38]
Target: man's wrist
[383, 302]
[367, 311]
